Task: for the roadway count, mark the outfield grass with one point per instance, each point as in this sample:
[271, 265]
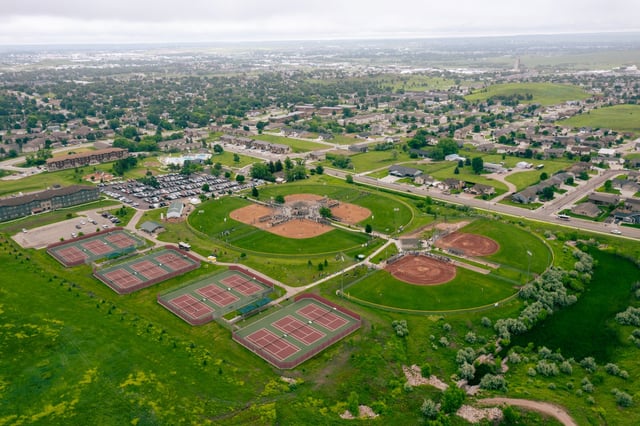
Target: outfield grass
[543, 93]
[467, 290]
[621, 118]
[514, 242]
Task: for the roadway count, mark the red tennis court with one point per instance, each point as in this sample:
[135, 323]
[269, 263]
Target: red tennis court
[97, 247]
[275, 345]
[120, 240]
[173, 261]
[149, 269]
[217, 295]
[122, 278]
[242, 285]
[322, 316]
[301, 331]
[72, 255]
[191, 306]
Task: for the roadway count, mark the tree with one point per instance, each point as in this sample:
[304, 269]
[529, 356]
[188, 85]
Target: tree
[279, 199]
[547, 193]
[544, 176]
[319, 169]
[608, 185]
[236, 158]
[254, 192]
[448, 146]
[452, 399]
[368, 229]
[217, 148]
[349, 178]
[456, 171]
[261, 171]
[477, 164]
[461, 163]
[240, 178]
[325, 212]
[205, 188]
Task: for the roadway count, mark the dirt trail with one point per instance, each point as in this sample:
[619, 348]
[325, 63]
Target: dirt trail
[542, 407]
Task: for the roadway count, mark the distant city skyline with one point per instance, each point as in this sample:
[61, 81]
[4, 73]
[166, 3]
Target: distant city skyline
[166, 21]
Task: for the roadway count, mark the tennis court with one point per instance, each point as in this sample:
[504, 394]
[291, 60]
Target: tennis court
[89, 248]
[297, 332]
[143, 271]
[219, 293]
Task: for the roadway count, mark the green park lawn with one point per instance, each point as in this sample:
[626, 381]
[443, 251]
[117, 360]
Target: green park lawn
[543, 93]
[621, 118]
[297, 145]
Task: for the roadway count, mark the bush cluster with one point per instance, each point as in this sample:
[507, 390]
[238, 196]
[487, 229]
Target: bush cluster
[400, 327]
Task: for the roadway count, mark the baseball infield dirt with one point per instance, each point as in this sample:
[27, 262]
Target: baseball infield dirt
[422, 270]
[468, 244]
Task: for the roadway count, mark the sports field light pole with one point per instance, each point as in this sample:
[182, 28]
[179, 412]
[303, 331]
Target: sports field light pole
[342, 285]
[529, 255]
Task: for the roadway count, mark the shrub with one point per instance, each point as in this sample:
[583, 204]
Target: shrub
[429, 409]
[566, 368]
[446, 327]
[486, 322]
[470, 337]
[612, 369]
[532, 372]
[589, 364]
[631, 316]
[466, 371]
[452, 399]
[623, 399]
[400, 327]
[444, 342]
[425, 370]
[587, 386]
[493, 382]
[547, 369]
[465, 355]
[514, 358]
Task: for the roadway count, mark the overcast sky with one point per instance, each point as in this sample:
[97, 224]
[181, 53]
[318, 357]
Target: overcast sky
[134, 21]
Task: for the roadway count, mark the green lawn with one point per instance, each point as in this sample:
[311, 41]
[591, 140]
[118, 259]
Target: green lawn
[621, 118]
[296, 145]
[77, 353]
[373, 160]
[467, 290]
[543, 93]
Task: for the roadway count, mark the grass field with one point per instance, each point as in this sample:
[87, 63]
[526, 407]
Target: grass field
[296, 145]
[250, 239]
[621, 118]
[72, 351]
[467, 290]
[543, 93]
[374, 160]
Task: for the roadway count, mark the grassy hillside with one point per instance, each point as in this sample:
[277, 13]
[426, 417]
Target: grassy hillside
[542, 93]
[621, 118]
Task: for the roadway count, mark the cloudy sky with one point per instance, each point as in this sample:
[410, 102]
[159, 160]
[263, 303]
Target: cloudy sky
[133, 21]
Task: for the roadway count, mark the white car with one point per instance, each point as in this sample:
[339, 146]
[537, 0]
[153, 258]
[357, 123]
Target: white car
[616, 231]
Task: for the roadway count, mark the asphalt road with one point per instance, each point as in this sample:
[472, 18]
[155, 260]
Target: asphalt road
[546, 214]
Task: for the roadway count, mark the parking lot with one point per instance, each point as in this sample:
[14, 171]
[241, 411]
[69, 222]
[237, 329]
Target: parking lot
[87, 223]
[171, 187]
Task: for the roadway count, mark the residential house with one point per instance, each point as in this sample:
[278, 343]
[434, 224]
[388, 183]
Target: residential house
[603, 199]
[402, 171]
[586, 209]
